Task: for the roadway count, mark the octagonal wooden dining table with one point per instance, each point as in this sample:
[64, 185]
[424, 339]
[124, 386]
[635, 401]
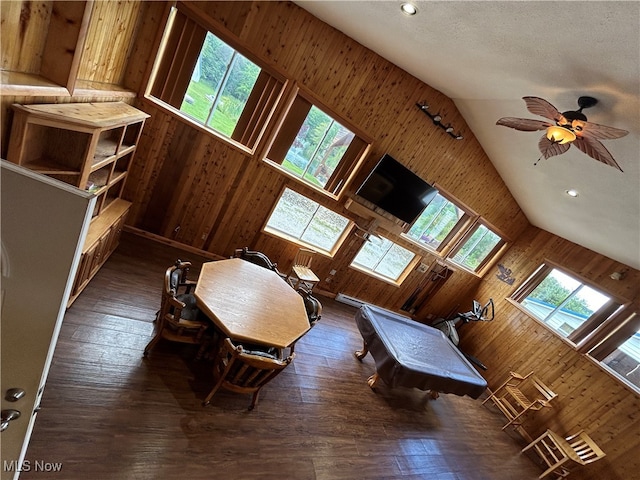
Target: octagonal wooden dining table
[249, 303]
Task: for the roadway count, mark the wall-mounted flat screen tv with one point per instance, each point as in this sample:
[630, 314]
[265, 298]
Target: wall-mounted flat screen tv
[395, 189]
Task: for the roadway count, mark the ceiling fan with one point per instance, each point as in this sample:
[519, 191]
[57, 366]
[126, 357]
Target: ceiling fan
[567, 128]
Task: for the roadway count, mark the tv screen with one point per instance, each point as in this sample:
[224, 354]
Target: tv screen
[397, 190]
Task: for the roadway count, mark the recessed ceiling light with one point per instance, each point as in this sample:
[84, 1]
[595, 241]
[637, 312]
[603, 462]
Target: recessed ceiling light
[408, 9]
[571, 192]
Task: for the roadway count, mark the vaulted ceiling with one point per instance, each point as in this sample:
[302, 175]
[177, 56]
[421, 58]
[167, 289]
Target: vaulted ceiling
[487, 55]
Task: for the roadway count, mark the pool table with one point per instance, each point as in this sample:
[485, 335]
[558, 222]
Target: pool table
[410, 354]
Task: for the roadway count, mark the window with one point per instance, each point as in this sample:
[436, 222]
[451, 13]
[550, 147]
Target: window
[315, 147]
[383, 258]
[625, 360]
[220, 86]
[480, 246]
[211, 83]
[301, 220]
[438, 223]
[563, 303]
[598, 324]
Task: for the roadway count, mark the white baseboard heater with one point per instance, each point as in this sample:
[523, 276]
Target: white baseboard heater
[355, 302]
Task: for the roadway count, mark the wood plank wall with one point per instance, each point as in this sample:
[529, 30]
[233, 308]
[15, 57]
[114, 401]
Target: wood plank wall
[220, 197]
[227, 208]
[588, 397]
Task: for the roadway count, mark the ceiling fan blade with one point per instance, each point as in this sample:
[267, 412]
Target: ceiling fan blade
[540, 106]
[597, 150]
[524, 124]
[594, 130]
[551, 149]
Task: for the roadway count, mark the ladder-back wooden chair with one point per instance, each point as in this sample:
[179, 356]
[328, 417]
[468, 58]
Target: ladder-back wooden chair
[513, 380]
[301, 273]
[520, 395]
[258, 258]
[560, 454]
[314, 310]
[238, 370]
[179, 319]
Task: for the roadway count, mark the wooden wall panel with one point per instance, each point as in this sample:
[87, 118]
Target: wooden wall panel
[23, 34]
[589, 397]
[107, 48]
[376, 96]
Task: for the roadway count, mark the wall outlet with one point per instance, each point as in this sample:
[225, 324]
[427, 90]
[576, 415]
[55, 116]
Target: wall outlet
[423, 267]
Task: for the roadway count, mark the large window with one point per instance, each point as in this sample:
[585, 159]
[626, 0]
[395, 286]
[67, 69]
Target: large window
[438, 223]
[304, 221]
[211, 83]
[220, 86]
[479, 246]
[318, 148]
[562, 302]
[315, 147]
[383, 258]
[595, 322]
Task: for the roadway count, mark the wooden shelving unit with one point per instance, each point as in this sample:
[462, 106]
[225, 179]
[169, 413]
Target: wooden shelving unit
[90, 146]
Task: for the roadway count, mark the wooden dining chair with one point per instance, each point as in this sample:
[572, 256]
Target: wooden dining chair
[561, 453]
[301, 273]
[514, 379]
[244, 371]
[313, 308]
[179, 319]
[258, 258]
[520, 395]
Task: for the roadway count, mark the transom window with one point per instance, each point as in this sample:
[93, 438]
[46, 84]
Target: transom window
[315, 147]
[211, 83]
[480, 246]
[304, 221]
[438, 223]
[381, 257]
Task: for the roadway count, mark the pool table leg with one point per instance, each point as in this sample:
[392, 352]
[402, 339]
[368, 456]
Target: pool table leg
[360, 354]
[372, 380]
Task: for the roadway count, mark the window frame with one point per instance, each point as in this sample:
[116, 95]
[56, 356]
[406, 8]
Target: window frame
[578, 338]
[602, 333]
[372, 273]
[491, 258]
[451, 240]
[263, 104]
[301, 243]
[290, 119]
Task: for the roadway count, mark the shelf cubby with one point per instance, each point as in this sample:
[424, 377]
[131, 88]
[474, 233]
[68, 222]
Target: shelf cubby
[90, 146]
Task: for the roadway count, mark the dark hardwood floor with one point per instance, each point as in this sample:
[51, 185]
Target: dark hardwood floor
[107, 413]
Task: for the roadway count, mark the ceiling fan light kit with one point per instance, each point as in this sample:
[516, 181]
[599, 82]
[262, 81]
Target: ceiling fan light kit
[560, 135]
[568, 128]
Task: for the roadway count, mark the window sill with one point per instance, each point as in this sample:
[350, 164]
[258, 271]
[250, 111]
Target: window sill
[276, 166]
[299, 243]
[386, 280]
[177, 114]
